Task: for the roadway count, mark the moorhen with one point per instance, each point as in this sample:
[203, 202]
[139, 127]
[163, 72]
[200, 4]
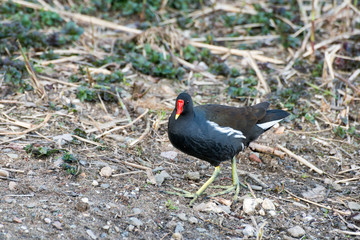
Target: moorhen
[216, 133]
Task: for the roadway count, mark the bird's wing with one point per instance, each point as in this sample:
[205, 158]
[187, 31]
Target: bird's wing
[242, 119]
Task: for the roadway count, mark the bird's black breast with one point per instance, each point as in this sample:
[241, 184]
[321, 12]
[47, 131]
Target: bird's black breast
[203, 139]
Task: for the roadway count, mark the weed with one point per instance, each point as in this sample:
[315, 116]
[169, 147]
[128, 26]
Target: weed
[170, 205]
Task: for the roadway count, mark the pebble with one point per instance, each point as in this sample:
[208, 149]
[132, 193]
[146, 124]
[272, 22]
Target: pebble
[201, 230]
[179, 228]
[357, 217]
[136, 222]
[195, 176]
[47, 220]
[131, 227]
[4, 173]
[82, 206]
[354, 206]
[91, 234]
[17, 220]
[250, 205]
[171, 225]
[12, 186]
[105, 185]
[31, 205]
[296, 231]
[249, 230]
[267, 204]
[106, 227]
[13, 155]
[176, 236]
[272, 213]
[136, 211]
[10, 200]
[193, 220]
[103, 235]
[95, 183]
[160, 178]
[106, 171]
[57, 225]
[182, 216]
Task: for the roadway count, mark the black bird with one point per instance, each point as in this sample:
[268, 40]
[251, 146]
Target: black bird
[216, 133]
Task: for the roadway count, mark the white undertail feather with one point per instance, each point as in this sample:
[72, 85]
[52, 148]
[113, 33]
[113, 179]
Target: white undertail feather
[268, 125]
[227, 130]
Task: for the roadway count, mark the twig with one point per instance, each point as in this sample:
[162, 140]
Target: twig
[148, 171]
[237, 52]
[13, 170]
[266, 149]
[123, 107]
[348, 170]
[87, 141]
[348, 232]
[147, 130]
[347, 180]
[300, 159]
[122, 127]
[318, 204]
[357, 90]
[47, 118]
[20, 195]
[259, 74]
[80, 17]
[127, 173]
[12, 139]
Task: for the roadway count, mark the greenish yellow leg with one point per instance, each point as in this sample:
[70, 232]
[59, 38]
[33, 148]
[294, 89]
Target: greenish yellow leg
[208, 182]
[186, 194]
[236, 182]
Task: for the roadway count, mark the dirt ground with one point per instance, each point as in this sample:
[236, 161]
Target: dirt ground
[118, 190]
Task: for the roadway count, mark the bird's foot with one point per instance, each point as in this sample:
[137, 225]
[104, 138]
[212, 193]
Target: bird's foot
[228, 189]
[183, 193]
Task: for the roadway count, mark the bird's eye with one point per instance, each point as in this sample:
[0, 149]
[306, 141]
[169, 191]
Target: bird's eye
[187, 102]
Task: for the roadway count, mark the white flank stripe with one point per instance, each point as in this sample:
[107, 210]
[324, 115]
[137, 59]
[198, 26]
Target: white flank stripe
[227, 130]
[267, 125]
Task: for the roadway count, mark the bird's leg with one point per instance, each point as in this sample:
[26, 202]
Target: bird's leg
[198, 192]
[236, 182]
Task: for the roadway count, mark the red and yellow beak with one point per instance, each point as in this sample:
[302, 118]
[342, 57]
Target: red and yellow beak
[179, 107]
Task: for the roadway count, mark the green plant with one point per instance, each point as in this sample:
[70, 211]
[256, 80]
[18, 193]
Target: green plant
[170, 205]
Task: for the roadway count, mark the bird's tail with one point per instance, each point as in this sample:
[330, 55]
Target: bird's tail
[271, 118]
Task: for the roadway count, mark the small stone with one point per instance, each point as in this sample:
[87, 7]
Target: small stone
[182, 216]
[262, 212]
[357, 217]
[47, 220]
[117, 229]
[12, 186]
[333, 151]
[106, 171]
[136, 211]
[176, 236]
[95, 183]
[171, 225]
[4, 173]
[103, 235]
[250, 205]
[203, 66]
[13, 155]
[272, 213]
[170, 155]
[31, 205]
[249, 230]
[131, 227]
[201, 230]
[106, 227]
[57, 225]
[354, 206]
[296, 231]
[160, 178]
[91, 234]
[193, 220]
[85, 200]
[179, 227]
[105, 185]
[10, 200]
[17, 220]
[316, 194]
[136, 222]
[268, 204]
[195, 176]
[82, 206]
